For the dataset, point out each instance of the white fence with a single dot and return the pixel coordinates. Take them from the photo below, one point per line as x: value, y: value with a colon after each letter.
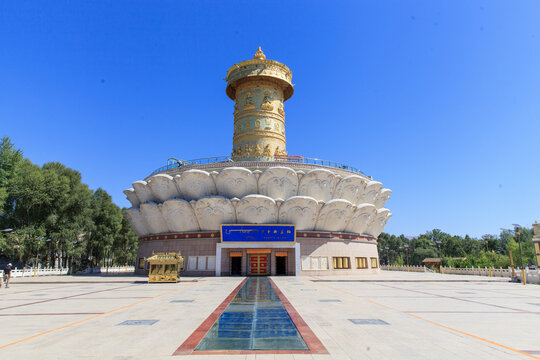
x: 411, y: 268
x: 30, y: 272
x: 533, y: 276
x: 109, y: 270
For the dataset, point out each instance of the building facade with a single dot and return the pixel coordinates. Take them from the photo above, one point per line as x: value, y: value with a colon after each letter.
x: 284, y: 214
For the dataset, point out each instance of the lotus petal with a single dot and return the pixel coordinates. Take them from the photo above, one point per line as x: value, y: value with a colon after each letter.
x: 236, y: 182
x: 335, y: 215
x: 379, y: 222
x: 382, y: 198
x: 163, y: 187
x: 361, y: 218
x: 179, y: 216
x: 278, y: 183
x: 132, y: 197
x: 195, y: 184
x: 301, y: 211
x: 214, y: 211
x: 155, y: 222
x: 318, y: 184
x: 370, y: 192
x: 256, y: 209
x: 143, y: 191
x: 350, y: 188
x: 136, y: 220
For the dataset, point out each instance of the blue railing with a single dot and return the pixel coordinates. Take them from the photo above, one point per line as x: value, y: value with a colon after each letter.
x: 175, y: 163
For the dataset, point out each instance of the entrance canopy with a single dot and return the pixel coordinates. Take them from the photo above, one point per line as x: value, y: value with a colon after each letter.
x: 252, y: 247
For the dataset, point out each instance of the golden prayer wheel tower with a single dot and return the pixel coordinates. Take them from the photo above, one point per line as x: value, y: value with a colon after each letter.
x: 259, y: 87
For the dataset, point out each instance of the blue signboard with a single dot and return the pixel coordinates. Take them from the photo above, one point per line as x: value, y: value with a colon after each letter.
x: 258, y: 233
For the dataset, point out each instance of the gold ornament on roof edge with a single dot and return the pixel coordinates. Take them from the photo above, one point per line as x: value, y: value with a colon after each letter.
x: 259, y: 55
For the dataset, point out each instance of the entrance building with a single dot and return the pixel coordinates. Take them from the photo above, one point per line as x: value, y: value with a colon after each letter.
x: 257, y: 250
x: 265, y: 261
x: 312, y: 253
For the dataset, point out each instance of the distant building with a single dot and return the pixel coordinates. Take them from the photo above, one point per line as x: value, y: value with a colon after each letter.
x: 260, y: 211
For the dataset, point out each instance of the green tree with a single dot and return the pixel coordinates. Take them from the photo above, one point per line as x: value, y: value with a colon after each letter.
x: 106, y: 225
x: 10, y: 160
x: 125, y: 243
x: 55, y: 217
x: 70, y: 216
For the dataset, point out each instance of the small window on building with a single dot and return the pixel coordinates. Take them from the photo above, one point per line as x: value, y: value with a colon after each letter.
x: 341, y: 262
x: 374, y: 263
x: 361, y: 263
x: 141, y: 263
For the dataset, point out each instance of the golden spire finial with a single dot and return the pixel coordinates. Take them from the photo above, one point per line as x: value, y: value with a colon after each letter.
x: 259, y: 54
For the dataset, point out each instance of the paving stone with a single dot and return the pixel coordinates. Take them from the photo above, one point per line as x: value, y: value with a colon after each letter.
x: 498, y: 312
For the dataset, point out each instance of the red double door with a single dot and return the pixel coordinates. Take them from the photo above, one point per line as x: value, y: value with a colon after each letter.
x: 258, y: 264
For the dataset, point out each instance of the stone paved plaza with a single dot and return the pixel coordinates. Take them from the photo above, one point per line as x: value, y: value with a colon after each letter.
x: 395, y: 315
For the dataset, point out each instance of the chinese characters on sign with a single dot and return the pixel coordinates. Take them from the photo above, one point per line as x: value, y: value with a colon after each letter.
x: 257, y: 233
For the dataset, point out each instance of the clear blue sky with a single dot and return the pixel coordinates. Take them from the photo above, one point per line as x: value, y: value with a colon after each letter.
x: 438, y: 100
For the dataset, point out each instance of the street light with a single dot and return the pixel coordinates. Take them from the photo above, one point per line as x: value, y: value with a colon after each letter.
x: 486, y: 237
x: 406, y: 246
x: 37, y: 254
x: 48, y: 241
x: 387, y: 257
x: 127, y: 251
x: 516, y: 231
x: 107, y: 256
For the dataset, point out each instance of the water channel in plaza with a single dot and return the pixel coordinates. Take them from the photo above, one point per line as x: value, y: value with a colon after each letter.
x: 254, y: 320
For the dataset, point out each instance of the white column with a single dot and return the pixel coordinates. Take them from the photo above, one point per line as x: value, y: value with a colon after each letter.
x: 218, y: 259
x: 297, y: 259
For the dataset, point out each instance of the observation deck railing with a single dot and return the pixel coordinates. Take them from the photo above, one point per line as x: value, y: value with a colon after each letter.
x: 299, y: 159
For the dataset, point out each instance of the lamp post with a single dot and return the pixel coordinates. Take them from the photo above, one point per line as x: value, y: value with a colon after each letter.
x: 387, y: 257
x: 37, y: 254
x: 516, y: 231
x: 486, y: 237
x: 406, y: 246
x: 107, y: 258
x: 48, y: 241
x: 128, y: 249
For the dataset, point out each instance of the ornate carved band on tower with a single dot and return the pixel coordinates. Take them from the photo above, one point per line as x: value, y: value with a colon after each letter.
x: 259, y: 88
